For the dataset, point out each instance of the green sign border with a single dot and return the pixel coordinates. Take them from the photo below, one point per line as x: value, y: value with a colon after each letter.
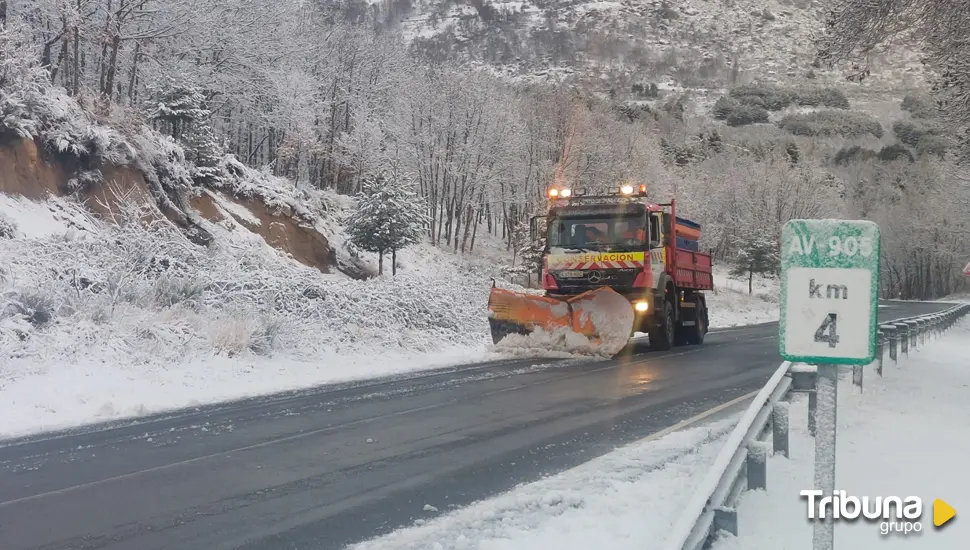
x: 822, y: 230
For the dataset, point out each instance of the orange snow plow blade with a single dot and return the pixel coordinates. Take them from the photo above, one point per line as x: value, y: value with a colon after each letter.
x: 602, y: 316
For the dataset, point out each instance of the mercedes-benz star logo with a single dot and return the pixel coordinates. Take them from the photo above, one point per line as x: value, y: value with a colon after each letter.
x: 594, y: 277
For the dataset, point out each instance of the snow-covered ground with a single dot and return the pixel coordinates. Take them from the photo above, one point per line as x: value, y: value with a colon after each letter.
x: 99, y: 323
x: 904, y: 434
x: 730, y: 305
x: 626, y: 499
x: 102, y: 323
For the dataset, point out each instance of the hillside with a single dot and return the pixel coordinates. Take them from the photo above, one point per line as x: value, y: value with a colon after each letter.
x: 617, y: 44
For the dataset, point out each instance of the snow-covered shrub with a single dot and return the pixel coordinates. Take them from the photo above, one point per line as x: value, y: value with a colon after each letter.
x: 230, y: 335
x: 724, y: 106
x: 920, y: 106
x: 824, y: 97
x: 276, y: 193
x: 8, y: 229
x: 775, y: 98
x: 768, y: 96
x: 853, y: 154
x: 264, y: 337
x: 171, y: 291
x: 34, y: 307
x: 932, y: 144
x: 14, y: 117
x: 847, y: 124
x: 747, y: 114
x: 895, y: 151
x: 85, y: 181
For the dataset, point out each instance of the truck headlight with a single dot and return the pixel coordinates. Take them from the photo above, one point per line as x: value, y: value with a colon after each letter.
x: 641, y: 306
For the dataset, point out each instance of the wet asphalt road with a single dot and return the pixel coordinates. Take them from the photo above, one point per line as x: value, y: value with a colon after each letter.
x: 322, y: 468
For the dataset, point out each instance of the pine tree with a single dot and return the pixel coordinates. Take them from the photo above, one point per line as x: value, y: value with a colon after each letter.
x: 177, y: 106
x: 183, y: 112
x: 389, y: 216
x: 758, y: 254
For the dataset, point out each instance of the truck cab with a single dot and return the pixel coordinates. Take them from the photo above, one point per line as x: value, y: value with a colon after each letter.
x: 639, y: 249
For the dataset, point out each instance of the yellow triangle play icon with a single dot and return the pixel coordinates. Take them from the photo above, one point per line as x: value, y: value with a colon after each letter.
x: 942, y: 512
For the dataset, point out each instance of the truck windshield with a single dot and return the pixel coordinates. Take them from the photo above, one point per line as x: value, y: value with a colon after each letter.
x: 597, y: 233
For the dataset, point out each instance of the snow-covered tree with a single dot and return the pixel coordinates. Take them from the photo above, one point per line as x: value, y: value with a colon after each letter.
x: 390, y: 216
x: 758, y: 253
x: 176, y: 106
x: 529, y: 251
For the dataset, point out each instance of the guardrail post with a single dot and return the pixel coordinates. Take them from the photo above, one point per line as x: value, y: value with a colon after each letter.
x: 912, y: 329
x: 779, y: 428
x: 812, y: 405
x: 893, y: 341
x: 903, y: 330
x: 880, y: 350
x: 922, y: 332
x: 757, y: 465
x: 726, y: 519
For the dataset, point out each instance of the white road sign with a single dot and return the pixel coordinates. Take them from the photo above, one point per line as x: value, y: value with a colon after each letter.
x: 829, y: 291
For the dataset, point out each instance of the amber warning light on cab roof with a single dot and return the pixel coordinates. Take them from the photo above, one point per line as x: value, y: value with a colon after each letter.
x: 565, y: 192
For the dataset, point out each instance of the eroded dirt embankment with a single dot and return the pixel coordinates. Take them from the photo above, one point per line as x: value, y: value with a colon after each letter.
x: 26, y: 169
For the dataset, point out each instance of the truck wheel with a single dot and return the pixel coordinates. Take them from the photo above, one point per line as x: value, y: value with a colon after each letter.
x: 695, y: 334
x: 662, y: 337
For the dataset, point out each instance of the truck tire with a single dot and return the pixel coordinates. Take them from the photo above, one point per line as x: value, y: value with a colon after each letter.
x: 662, y: 337
x: 695, y: 334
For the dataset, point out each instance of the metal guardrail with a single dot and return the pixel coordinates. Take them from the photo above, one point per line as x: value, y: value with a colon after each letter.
x: 742, y: 462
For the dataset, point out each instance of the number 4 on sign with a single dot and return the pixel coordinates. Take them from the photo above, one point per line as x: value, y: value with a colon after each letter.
x: 828, y: 330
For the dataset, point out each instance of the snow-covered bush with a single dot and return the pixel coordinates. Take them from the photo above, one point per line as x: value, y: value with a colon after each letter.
x: 775, y: 98
x: 747, y: 114
x: 277, y: 193
x: 847, y: 124
x: 8, y: 229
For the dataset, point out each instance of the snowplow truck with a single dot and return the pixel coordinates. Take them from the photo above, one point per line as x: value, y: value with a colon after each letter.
x: 613, y: 265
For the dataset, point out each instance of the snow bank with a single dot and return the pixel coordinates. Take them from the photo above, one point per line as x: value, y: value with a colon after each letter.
x: 731, y: 305
x: 561, y: 343
x: 614, y: 502
x: 36, y: 395
x: 905, y: 434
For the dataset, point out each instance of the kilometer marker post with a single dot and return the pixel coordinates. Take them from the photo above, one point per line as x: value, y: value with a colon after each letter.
x: 829, y: 317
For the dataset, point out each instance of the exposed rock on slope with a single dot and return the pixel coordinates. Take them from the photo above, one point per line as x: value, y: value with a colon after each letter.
x: 32, y: 172
x: 303, y: 243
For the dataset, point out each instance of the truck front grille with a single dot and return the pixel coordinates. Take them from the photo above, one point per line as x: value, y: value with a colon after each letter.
x: 620, y: 280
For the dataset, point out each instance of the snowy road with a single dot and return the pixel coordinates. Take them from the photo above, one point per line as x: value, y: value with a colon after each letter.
x: 325, y: 468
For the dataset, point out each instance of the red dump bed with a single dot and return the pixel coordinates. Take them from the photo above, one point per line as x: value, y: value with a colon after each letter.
x: 691, y: 268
